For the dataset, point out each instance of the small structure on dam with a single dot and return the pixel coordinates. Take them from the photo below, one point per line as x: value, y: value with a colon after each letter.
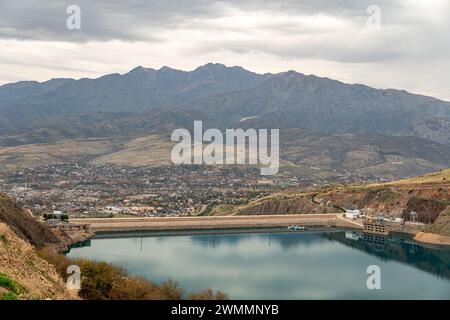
x: 375, y: 226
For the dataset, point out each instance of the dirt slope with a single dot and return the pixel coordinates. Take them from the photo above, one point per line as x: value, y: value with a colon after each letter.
x: 33, y: 277
x: 23, y: 274
x: 24, y: 225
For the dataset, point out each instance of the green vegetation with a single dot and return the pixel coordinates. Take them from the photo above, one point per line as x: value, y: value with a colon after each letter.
x: 63, y: 217
x: 13, y: 288
x: 105, y: 281
x: 218, y: 210
x: 8, y: 296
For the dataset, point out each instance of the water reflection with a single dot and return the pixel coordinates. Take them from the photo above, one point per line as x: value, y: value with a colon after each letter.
x: 401, y: 248
x: 330, y: 264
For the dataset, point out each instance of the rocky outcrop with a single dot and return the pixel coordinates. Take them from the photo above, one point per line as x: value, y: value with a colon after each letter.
x: 428, y: 210
x: 442, y: 224
x: 69, y: 235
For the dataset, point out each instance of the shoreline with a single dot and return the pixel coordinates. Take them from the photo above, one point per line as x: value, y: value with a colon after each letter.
x: 205, y: 224
x: 432, y: 238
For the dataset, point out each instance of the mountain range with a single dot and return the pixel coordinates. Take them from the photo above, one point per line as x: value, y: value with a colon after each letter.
x: 336, y: 125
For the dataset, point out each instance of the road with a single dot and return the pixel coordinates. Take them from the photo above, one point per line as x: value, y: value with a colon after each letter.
x: 341, y: 217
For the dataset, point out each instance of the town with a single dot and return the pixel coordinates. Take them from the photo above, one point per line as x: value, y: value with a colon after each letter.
x: 95, y: 191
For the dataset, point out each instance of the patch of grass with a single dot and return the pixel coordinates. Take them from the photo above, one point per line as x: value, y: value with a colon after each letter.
x: 8, y: 296
x: 12, y: 286
x: 221, y: 209
x: 8, y: 283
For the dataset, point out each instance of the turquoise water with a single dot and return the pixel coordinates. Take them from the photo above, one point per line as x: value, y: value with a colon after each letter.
x: 328, y: 264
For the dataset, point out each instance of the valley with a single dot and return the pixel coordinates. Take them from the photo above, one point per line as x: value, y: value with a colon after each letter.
x: 99, y: 148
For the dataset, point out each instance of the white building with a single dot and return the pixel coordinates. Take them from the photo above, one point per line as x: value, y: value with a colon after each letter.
x: 351, y: 236
x: 57, y: 213
x: 352, y: 214
x: 113, y: 209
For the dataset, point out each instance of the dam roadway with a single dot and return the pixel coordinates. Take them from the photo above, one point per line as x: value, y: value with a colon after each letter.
x: 100, y: 225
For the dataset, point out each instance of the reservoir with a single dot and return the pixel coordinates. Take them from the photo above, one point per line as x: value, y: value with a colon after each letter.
x: 276, y: 264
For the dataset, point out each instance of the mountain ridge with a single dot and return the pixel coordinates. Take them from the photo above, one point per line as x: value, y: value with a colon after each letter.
x: 146, y: 101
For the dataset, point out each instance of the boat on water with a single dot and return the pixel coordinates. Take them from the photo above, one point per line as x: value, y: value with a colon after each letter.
x: 297, y: 228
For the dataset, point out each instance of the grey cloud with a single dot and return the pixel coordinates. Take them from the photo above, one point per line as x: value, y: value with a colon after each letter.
x: 101, y: 20
x: 147, y: 20
x: 126, y: 20
x: 195, y: 28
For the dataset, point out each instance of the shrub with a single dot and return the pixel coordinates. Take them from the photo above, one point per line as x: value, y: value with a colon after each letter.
x: 104, y: 281
x: 98, y: 279
x: 8, y: 296
x: 208, y: 294
x: 171, y: 290
x: 60, y: 261
x: 132, y: 288
x: 222, y: 296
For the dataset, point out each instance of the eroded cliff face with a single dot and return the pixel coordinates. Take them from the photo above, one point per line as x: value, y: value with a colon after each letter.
x: 442, y: 224
x: 304, y: 204
x: 431, y: 201
x: 428, y: 201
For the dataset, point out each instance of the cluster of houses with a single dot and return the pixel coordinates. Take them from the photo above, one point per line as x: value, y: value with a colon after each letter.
x: 357, y: 214
x: 135, y: 210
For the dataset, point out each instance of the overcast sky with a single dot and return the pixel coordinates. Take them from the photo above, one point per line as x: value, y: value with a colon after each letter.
x: 410, y: 50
